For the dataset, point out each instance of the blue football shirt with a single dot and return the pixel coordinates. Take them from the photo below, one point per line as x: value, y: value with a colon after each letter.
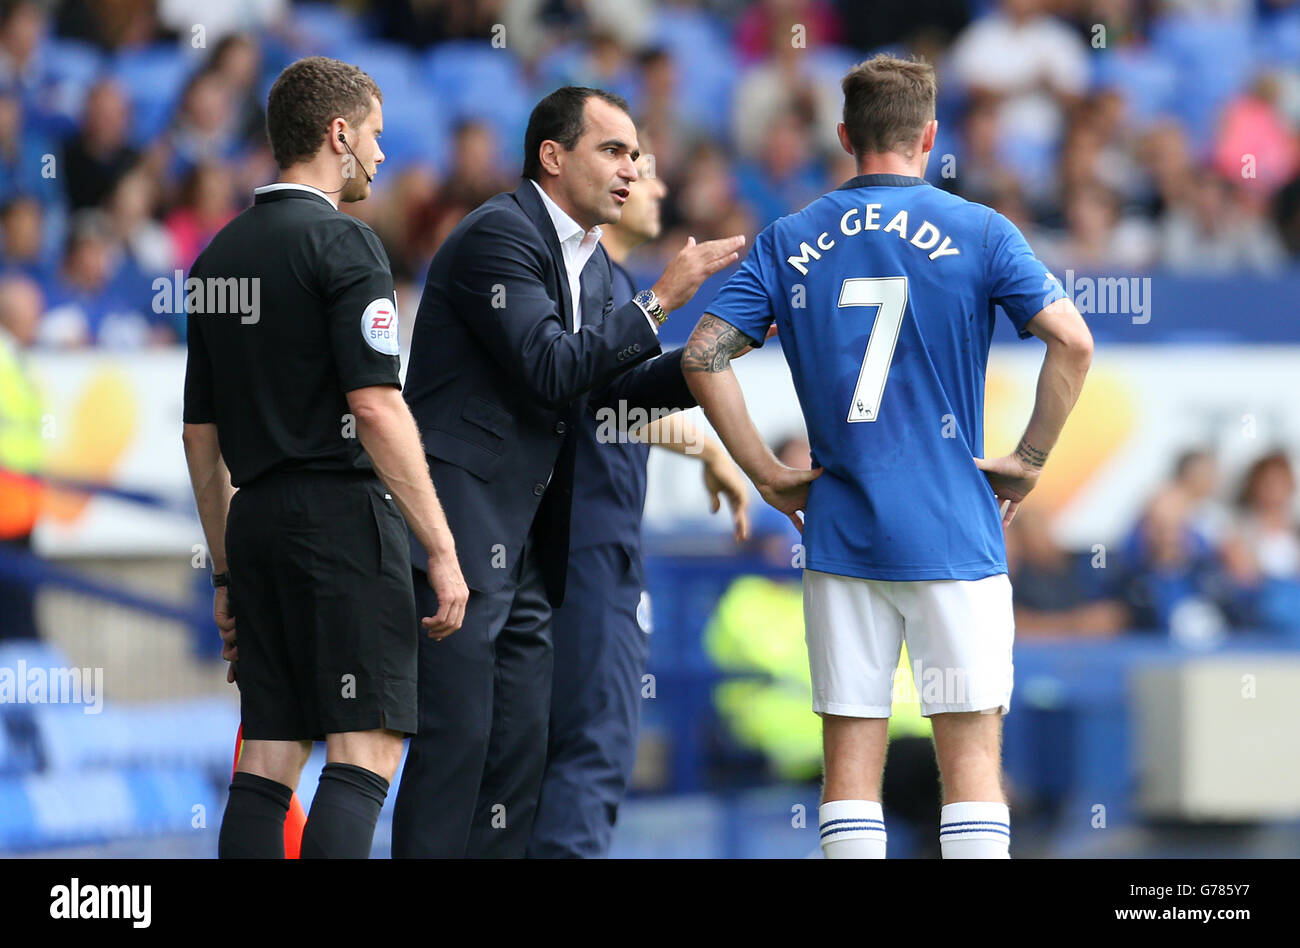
x: 884, y: 295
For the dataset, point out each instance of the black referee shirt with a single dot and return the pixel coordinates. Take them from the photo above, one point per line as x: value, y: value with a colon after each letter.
x: 289, y: 308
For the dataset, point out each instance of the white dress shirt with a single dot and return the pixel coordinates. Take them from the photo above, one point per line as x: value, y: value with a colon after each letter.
x: 577, y: 246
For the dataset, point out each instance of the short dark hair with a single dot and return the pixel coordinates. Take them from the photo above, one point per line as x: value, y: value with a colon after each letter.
x: 887, y: 102
x: 559, y: 118
x: 306, y: 97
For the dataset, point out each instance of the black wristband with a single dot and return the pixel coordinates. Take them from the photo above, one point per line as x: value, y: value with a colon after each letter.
x: 220, y: 579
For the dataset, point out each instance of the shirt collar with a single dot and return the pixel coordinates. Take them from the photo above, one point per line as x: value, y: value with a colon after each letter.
x: 566, y: 228
x: 881, y: 180
x: 291, y: 185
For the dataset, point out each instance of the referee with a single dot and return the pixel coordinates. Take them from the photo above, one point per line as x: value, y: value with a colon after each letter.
x: 292, y: 396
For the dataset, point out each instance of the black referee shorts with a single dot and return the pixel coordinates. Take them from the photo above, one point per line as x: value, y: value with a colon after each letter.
x: 320, y: 587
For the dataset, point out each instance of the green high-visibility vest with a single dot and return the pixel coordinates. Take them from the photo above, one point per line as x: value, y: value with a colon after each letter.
x: 757, y: 629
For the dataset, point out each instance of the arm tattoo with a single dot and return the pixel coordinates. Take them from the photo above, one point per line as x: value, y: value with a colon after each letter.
x: 1030, y: 454
x: 712, y: 345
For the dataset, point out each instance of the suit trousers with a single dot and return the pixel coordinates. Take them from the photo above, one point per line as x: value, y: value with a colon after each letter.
x: 602, y: 643
x: 473, y: 772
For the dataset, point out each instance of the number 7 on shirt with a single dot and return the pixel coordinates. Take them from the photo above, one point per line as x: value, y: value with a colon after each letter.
x: 889, y: 296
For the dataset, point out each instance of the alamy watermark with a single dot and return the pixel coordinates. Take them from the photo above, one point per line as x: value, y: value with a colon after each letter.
x: 623, y: 425
x: 209, y: 296
x: 1105, y: 296
x: 23, y: 684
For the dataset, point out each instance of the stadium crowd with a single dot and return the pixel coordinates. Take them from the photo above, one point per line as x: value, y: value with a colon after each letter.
x: 1120, y: 135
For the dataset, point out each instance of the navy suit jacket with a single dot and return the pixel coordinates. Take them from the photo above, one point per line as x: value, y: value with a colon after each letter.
x: 498, y: 382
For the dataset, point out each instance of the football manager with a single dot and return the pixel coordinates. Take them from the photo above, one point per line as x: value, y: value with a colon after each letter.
x: 516, y: 332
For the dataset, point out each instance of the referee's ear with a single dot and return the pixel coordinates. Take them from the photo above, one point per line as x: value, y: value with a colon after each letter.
x: 337, y: 135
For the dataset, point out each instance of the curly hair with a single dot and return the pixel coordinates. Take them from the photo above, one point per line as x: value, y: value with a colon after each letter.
x: 306, y: 97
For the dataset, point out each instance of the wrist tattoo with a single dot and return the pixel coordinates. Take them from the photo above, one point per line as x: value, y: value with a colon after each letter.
x: 712, y: 345
x: 1030, y: 454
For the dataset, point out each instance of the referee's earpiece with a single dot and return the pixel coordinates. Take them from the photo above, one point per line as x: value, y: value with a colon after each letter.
x: 344, y: 140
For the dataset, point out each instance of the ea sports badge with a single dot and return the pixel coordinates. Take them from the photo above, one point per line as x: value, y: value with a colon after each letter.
x: 379, y: 326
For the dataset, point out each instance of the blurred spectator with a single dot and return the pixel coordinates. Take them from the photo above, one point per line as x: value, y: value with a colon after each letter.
x: 1264, y: 543
x: 409, y: 203
x: 21, y: 446
x: 868, y: 26
x: 475, y: 175
x: 1286, y: 215
x: 111, y: 24
x: 1166, y: 159
x: 704, y: 204
x: 1059, y: 593
x: 1196, y: 477
x: 1254, y: 144
x: 421, y: 23
x: 1034, y: 68
x: 1097, y: 238
x: 21, y: 24
x: 98, y: 155
x: 85, y: 306
x: 21, y: 238
x: 237, y: 62
x: 1097, y: 148
x: 144, y: 244
x: 980, y: 171
x: 206, y: 205
x: 221, y: 19
x: 1211, y: 231
x: 603, y: 62
x: 1175, y: 584
x: 768, y: 23
x: 23, y: 150
x: 784, y: 178
x: 786, y: 82
x: 204, y: 128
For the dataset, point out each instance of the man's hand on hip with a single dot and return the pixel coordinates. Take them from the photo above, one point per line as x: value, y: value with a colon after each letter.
x: 1012, y: 478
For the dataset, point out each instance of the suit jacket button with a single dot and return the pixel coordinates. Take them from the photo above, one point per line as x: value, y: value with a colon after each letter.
x: 561, y: 427
x: 539, y: 490
x: 636, y: 348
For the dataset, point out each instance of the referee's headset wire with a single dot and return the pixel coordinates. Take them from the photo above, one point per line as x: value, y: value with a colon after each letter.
x: 369, y: 180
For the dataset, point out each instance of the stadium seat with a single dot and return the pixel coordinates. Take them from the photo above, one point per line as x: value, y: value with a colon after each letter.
x: 325, y: 27
x: 1147, y: 80
x: 1215, y: 60
x: 153, y: 79
x: 473, y: 80
x: 701, y: 48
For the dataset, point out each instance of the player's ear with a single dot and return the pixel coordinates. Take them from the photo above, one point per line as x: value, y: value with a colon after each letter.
x: 928, y: 137
x: 843, y: 131
x: 337, y: 134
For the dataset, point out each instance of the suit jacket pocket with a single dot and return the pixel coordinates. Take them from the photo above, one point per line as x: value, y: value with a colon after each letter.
x: 491, y: 418
x: 470, y: 455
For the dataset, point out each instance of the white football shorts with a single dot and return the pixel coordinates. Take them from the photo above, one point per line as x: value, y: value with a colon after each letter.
x: 958, y: 633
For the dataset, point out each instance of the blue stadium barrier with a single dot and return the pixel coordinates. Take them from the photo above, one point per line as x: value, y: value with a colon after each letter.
x: 41, y: 811
x: 198, y: 732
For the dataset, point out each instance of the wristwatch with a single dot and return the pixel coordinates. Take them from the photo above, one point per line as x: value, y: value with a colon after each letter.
x: 220, y: 579
x: 647, y: 300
